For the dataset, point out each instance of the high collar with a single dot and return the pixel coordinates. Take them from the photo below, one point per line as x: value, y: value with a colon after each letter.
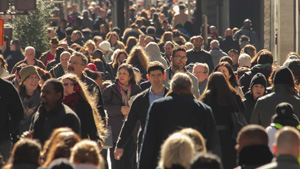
x: 255, y: 155
x: 282, y: 88
x: 286, y: 158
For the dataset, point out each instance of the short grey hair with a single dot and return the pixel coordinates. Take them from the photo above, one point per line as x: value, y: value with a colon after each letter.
x: 215, y: 44
x: 204, y: 65
x: 84, y: 60
x: 169, y: 43
x: 30, y: 47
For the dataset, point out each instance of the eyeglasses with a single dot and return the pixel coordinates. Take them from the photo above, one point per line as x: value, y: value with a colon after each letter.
x: 73, y: 63
x: 199, y: 72
x: 68, y: 84
x: 181, y: 58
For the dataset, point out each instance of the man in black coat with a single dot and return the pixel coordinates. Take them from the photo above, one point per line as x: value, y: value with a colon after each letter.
x: 197, y: 54
x: 52, y: 113
x: 10, y: 116
x: 176, y: 111
x: 139, y: 108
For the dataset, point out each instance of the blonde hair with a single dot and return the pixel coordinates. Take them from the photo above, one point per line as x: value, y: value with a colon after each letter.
x: 177, y: 149
x: 197, y: 138
x: 87, y: 152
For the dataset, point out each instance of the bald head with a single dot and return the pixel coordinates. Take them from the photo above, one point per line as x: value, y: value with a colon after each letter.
x: 287, y: 141
x: 215, y: 44
x: 228, y: 32
x: 251, y: 135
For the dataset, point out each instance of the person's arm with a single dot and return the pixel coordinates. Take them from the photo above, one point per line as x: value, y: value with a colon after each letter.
x: 213, y: 140
x: 89, y: 122
x: 100, y: 106
x: 16, y: 111
x: 71, y: 120
x: 129, y: 124
x: 210, y: 63
x: 112, y: 109
x: 151, y: 141
x: 255, y: 114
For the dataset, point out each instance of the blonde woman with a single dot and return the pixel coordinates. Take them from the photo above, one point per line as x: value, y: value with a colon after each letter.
x: 86, y: 155
x: 176, y: 152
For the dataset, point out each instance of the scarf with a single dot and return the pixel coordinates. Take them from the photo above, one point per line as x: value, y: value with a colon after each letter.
x: 123, y: 89
x: 32, y: 102
x: 71, y: 100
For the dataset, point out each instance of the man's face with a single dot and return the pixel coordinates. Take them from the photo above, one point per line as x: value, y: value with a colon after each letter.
x: 198, y: 42
x: 103, y: 14
x: 179, y: 60
x: 156, y: 78
x: 75, y: 65
x: 64, y: 58
x: 168, y: 50
x: 50, y: 33
x: 30, y: 54
x: 200, y: 73
x: 53, y: 48
x: 233, y: 56
x: 49, y: 96
x: 228, y: 32
x: 74, y: 37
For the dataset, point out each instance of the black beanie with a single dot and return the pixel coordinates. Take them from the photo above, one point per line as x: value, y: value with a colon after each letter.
x: 285, y: 115
x: 258, y: 78
x: 283, y: 76
x: 265, y: 58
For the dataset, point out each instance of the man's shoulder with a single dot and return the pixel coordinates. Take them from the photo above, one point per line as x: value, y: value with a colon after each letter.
x: 193, y: 77
x: 6, y: 85
x: 88, y: 80
x: 271, y: 165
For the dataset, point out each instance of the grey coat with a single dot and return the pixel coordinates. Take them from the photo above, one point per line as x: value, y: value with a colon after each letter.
x: 112, y: 100
x: 265, y: 106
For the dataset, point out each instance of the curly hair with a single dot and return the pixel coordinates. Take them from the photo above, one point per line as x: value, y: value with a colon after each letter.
x: 138, y: 58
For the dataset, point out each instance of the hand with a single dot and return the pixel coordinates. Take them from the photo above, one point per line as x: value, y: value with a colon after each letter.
x: 125, y: 110
x: 27, y: 134
x: 118, y: 153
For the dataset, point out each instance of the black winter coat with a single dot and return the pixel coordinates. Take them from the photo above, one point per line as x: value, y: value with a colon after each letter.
x: 45, y: 122
x: 11, y: 111
x: 138, y: 112
x: 170, y: 114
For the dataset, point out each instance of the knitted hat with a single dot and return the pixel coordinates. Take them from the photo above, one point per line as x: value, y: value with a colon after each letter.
x: 105, y: 46
x: 283, y: 76
x: 92, y: 66
x: 285, y: 115
x: 244, y: 60
x: 26, y: 71
x: 258, y: 78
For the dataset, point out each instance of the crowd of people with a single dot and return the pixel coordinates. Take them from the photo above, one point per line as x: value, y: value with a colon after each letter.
x: 151, y: 96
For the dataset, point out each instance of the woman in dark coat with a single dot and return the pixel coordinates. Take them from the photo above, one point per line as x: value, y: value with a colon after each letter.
x: 77, y: 98
x: 257, y: 89
x: 116, y: 101
x: 224, y: 100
